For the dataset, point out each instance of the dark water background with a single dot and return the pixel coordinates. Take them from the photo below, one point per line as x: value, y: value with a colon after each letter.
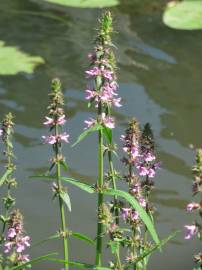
x: 160, y: 82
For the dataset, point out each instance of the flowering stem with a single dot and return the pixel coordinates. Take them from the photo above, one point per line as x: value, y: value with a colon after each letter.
x: 61, y: 203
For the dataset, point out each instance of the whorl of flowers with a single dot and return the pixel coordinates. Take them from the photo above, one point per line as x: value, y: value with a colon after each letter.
x: 56, y: 116
x: 196, y: 228
x: 146, y: 163
x: 131, y: 147
x: 16, y: 240
x: 6, y: 133
x: 102, y: 92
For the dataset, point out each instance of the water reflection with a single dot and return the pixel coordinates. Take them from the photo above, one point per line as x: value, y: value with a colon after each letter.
x: 159, y: 82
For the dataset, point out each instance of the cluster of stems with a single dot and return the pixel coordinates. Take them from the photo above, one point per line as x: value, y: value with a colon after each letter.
x: 196, y: 227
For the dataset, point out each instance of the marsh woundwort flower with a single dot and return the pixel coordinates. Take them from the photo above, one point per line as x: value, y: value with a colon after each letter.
x: 16, y: 240
x: 190, y: 231
x: 103, y: 93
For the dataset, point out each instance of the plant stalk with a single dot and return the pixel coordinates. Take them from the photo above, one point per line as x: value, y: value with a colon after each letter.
x: 61, y: 205
x: 100, y: 199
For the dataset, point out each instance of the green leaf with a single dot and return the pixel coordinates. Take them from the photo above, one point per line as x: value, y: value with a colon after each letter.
x: 83, y: 238
x: 85, y: 3
x: 108, y: 134
x: 64, y: 165
x: 13, y: 61
x: 38, y: 259
x: 51, y: 237
x: 42, y: 177
x: 66, y: 199
x: 79, y: 184
x: 4, y: 177
x: 185, y: 15
x: 88, y: 131
x: 143, y: 215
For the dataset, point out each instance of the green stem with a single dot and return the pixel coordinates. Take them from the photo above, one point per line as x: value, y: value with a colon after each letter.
x: 118, y: 261
x: 111, y: 168
x: 61, y: 205
x: 100, y: 200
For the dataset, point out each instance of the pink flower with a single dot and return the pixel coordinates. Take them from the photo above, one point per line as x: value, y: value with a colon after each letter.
x: 63, y: 137
x: 193, y: 206
x: 11, y: 233
x: 134, y: 151
x: 49, y: 121
x: 108, y: 121
x: 1, y: 132
x: 190, y: 231
x: 136, y: 188
x: 90, y: 94
x: 116, y: 102
x: 61, y: 120
x: 134, y: 216
x: 90, y: 123
x: 148, y: 157
x: 142, y: 202
x: 143, y: 171
x: 23, y: 258
x: 8, y: 246
x: 51, y: 139
x: 22, y: 243
x: 125, y: 213
x: 151, y: 173
x: 95, y: 71
x: 107, y: 74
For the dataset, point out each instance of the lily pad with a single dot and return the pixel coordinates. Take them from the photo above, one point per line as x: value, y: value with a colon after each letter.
x: 85, y: 3
x: 12, y: 60
x: 185, y: 15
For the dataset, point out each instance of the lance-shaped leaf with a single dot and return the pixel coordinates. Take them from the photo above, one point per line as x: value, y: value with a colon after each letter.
x: 78, y: 184
x: 66, y: 199
x: 86, y: 132
x: 36, y: 260
x: 83, y: 237
x: 134, y: 203
x: 77, y: 235
x: 108, y: 134
x: 5, y: 175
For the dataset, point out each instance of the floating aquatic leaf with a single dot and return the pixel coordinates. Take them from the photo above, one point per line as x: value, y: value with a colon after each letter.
x: 185, y: 15
x: 12, y: 60
x: 85, y: 3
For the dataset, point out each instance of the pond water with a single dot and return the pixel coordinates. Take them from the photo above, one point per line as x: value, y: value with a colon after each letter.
x: 160, y: 83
